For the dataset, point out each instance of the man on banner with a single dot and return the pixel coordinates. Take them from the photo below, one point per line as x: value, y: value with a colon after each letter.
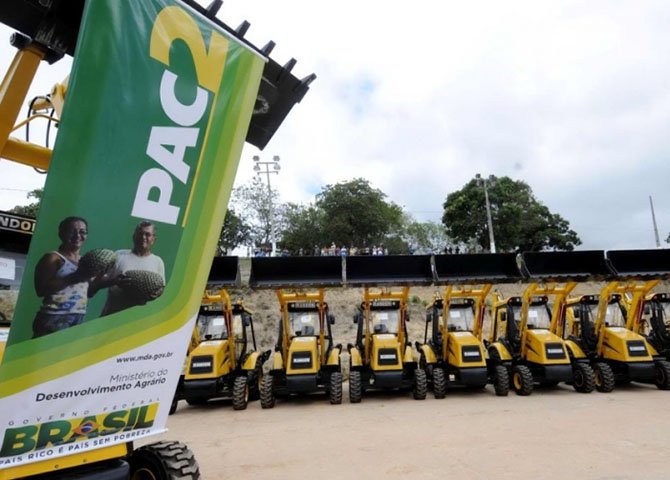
x: 124, y: 292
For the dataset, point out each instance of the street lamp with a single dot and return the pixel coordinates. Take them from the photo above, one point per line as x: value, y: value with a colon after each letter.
x: 483, y: 181
x: 267, y: 171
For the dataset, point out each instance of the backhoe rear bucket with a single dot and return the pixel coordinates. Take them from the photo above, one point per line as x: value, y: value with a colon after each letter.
x: 225, y: 272
x: 299, y: 272
x: 588, y: 265
x: 640, y: 263
x: 388, y: 270
x: 476, y: 268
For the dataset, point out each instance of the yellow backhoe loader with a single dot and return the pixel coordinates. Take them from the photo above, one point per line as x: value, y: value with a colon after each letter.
x: 453, y: 352
x: 606, y: 327
x: 306, y: 359
x: 523, y: 327
x: 225, y: 362
x: 383, y: 357
x: 126, y: 82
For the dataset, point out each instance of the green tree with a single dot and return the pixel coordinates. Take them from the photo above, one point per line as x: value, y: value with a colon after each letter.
x: 302, y: 228
x: 31, y: 209
x: 233, y: 234
x: 520, y: 221
x: 259, y: 208
x: 355, y: 213
x: 425, y: 236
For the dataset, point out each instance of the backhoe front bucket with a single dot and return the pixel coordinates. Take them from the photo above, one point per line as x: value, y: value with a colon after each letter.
x: 372, y: 271
x: 588, y: 265
x: 640, y: 263
x: 298, y: 272
x: 476, y: 268
x: 225, y: 272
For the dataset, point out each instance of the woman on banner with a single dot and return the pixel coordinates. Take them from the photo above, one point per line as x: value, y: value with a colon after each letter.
x: 63, y: 288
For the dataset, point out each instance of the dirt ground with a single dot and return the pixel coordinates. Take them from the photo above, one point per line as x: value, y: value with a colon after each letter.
x: 552, y: 434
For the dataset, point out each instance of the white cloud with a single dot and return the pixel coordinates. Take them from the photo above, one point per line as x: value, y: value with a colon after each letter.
x: 571, y: 97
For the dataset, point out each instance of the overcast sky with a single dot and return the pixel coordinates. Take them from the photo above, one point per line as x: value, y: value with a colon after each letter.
x: 572, y: 97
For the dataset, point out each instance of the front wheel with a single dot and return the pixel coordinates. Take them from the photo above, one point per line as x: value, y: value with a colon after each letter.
x: 240, y: 393
x: 663, y: 375
x: 335, y: 388
x: 583, y: 378
x: 522, y: 380
x: 355, y: 386
x: 420, y: 384
x: 267, y: 392
x: 163, y: 461
x: 501, y: 381
x: 439, y: 382
x: 604, y: 377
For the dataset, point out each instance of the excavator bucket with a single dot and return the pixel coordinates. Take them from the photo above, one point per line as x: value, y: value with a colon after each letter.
x: 640, y: 263
x: 225, y: 272
x: 588, y: 265
x: 296, y: 272
x: 372, y: 271
x: 476, y: 268
x: 55, y: 25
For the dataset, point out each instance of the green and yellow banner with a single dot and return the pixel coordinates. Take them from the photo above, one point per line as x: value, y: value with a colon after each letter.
x: 156, y: 113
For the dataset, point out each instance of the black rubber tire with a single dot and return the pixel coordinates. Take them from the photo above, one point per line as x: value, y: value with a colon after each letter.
x: 604, y: 377
x: 173, y: 405
x: 355, y: 386
x: 501, y: 381
x: 196, y: 401
x: 439, y: 382
x: 522, y: 380
x: 420, y: 384
x: 335, y: 388
x: 583, y: 378
x: 240, y: 393
x: 255, y: 382
x: 163, y: 461
x: 662, y: 375
x: 267, y: 392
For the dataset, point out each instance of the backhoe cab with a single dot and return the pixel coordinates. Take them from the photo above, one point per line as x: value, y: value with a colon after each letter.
x: 607, y: 328
x: 306, y: 359
x: 224, y: 363
x: 453, y: 353
x: 382, y: 357
x: 525, y: 330
x: 655, y: 324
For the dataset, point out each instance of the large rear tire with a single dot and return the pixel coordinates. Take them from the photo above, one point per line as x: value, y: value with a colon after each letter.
x: 163, y: 461
x: 439, y: 382
x: 604, y: 377
x: 501, y: 381
x: 522, y: 380
x: 355, y: 386
x: 663, y: 375
x: 335, y: 389
x: 267, y: 392
x: 240, y: 393
x: 420, y: 384
x: 583, y: 378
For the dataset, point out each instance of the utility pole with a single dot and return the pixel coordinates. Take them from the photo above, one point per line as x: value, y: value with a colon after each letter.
x: 653, y: 219
x: 266, y: 170
x: 492, y: 242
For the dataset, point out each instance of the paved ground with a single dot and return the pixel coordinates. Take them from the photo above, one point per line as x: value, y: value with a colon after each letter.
x: 553, y: 434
